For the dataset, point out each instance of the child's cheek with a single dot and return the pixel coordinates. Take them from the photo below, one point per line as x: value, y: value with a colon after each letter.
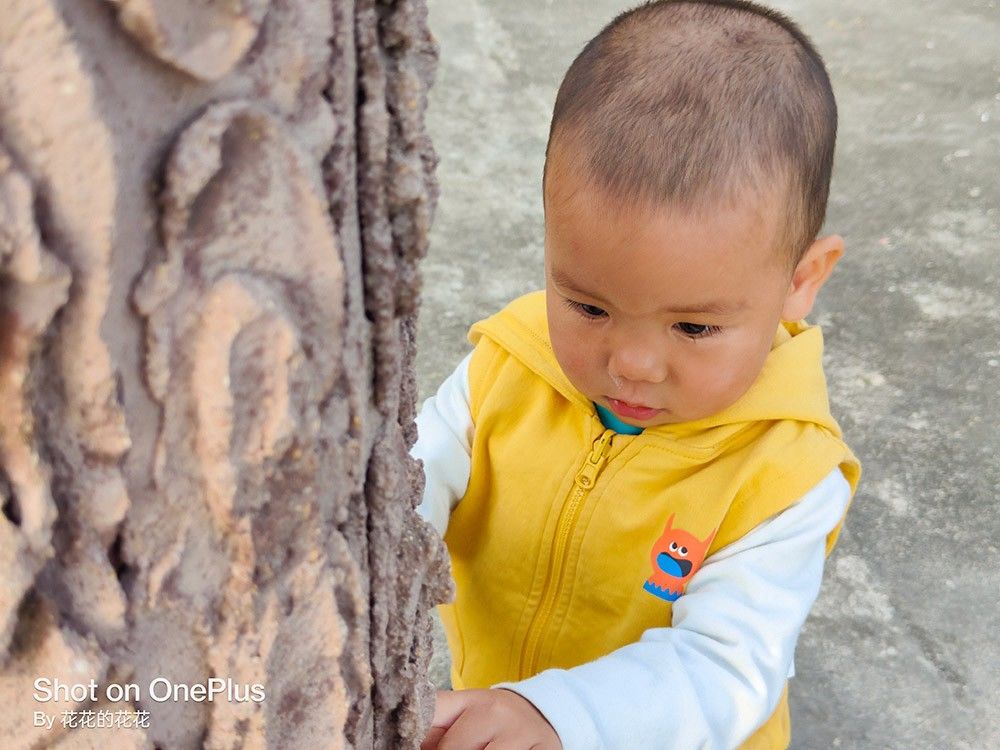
x: 585, y: 371
x: 576, y: 359
x: 728, y: 377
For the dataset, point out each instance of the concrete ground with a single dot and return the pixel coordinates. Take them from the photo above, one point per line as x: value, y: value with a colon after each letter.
x: 901, y: 649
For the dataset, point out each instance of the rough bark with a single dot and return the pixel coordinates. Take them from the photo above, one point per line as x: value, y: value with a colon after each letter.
x: 211, y: 217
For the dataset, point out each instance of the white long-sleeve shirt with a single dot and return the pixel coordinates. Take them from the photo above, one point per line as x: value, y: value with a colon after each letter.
x: 713, y: 678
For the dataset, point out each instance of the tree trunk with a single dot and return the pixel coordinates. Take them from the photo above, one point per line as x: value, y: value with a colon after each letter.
x: 211, y: 215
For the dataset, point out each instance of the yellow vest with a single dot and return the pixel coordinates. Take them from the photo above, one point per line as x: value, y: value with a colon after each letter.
x: 554, y: 545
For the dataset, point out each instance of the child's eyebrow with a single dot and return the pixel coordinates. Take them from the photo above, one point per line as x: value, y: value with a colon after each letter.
x: 714, y: 307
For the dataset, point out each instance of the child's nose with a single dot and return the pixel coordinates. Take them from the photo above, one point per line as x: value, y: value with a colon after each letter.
x: 638, y: 361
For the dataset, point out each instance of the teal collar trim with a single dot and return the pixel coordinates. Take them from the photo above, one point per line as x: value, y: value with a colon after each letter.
x: 609, y: 420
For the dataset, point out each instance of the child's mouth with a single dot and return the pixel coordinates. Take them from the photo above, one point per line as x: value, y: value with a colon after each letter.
x: 633, y: 411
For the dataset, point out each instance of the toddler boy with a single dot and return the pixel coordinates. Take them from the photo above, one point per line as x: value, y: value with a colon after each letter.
x: 635, y: 470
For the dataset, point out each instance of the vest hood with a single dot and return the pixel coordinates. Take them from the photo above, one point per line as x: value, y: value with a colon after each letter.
x: 791, y: 385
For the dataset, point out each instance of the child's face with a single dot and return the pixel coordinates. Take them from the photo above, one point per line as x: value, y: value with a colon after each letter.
x: 660, y: 309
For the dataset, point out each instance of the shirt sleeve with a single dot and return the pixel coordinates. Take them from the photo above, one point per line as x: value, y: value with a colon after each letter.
x: 714, y: 677
x: 444, y: 444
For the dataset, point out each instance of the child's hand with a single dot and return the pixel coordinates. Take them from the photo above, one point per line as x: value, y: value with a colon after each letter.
x: 498, y: 718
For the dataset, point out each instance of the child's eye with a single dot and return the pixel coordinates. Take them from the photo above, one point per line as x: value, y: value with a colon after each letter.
x: 588, y: 311
x: 697, y: 330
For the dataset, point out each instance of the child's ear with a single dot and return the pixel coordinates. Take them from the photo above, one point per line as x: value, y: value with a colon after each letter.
x: 810, y: 274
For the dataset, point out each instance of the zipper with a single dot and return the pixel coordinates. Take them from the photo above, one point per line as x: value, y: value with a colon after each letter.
x: 583, y: 483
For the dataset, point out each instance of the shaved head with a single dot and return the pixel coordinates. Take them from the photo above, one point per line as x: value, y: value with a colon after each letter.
x: 698, y: 104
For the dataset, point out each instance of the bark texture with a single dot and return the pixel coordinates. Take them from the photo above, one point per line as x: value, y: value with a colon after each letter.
x: 211, y: 217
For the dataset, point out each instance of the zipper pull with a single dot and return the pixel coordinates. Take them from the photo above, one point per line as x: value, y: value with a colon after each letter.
x: 587, y: 475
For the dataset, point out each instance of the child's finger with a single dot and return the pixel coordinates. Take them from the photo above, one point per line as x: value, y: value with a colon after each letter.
x: 433, y: 738
x: 467, y: 732
x: 448, y: 704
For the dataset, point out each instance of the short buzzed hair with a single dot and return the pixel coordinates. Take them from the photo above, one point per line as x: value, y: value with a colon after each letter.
x: 697, y: 103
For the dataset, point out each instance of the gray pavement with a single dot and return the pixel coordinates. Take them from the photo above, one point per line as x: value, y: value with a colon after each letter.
x: 901, y: 649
